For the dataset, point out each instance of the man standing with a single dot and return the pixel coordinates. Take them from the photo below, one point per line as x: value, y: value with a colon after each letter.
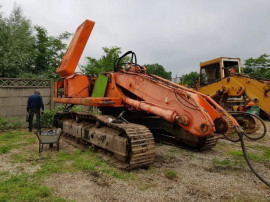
x: 34, y: 104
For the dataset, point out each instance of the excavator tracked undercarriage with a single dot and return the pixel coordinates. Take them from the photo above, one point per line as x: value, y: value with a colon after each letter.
x: 130, y: 143
x: 137, y: 108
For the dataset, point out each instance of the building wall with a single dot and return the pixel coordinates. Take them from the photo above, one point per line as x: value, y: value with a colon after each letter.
x: 14, y: 94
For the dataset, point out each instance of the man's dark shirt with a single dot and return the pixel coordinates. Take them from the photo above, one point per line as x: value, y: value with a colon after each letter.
x: 35, y: 102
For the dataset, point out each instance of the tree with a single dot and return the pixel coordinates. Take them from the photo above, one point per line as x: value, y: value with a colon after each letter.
x: 48, y: 52
x: 190, y: 79
x: 258, y: 67
x: 261, y: 62
x: 105, y: 63
x: 25, y: 53
x: 158, y: 70
x: 16, y: 42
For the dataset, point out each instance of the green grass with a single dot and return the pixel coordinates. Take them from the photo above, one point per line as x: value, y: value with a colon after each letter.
x: 223, y: 163
x: 152, y: 169
x: 90, y: 162
x: 237, y: 159
x: 14, y: 140
x: 23, y: 186
x: 4, y: 175
x: 264, y: 157
x: 20, y: 187
x: 29, y: 187
x: 266, y: 154
x: 4, y: 149
x: 64, y: 162
x: 18, y: 158
x: 258, y: 147
x: 170, y: 174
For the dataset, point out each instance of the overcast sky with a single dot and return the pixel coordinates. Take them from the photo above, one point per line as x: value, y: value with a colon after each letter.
x: 176, y: 34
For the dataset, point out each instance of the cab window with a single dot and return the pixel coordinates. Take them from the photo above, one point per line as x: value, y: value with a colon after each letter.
x: 210, y: 74
x: 227, y: 65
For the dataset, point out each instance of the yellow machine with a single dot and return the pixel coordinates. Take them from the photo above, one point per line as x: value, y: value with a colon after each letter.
x: 223, y: 80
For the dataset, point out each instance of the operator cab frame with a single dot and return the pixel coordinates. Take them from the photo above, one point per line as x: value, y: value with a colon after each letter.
x: 216, y: 69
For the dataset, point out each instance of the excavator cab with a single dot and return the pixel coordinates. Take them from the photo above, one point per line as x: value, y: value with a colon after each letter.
x: 213, y: 70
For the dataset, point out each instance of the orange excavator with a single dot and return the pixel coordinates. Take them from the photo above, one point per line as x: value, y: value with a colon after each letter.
x: 137, y: 108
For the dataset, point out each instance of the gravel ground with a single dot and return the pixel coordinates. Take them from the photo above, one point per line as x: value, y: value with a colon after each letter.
x: 195, y: 177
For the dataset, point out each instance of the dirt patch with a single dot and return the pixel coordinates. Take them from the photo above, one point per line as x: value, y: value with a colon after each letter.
x: 197, y: 179
x: 31, y: 157
x: 14, y: 168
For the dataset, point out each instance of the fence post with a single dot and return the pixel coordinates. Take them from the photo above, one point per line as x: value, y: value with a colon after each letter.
x: 52, y: 94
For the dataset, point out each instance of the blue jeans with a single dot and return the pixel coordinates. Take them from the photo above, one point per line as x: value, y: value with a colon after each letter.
x: 33, y: 112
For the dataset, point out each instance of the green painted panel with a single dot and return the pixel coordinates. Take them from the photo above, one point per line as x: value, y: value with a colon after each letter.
x: 100, y: 86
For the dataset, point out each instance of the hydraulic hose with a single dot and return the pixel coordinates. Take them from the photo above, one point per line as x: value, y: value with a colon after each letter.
x: 235, y: 114
x: 241, y: 133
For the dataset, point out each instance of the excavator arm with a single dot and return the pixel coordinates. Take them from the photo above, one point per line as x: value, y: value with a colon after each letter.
x: 172, y: 102
x: 240, y: 85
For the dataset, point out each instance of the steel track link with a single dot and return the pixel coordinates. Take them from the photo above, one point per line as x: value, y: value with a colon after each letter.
x: 142, y: 146
x: 141, y: 142
x: 209, y: 142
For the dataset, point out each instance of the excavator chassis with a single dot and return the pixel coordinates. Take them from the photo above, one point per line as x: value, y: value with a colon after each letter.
x: 132, y: 144
x: 167, y: 132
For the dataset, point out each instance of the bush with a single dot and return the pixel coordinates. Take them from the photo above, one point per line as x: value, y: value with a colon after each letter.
x: 47, y: 118
x: 9, y: 123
